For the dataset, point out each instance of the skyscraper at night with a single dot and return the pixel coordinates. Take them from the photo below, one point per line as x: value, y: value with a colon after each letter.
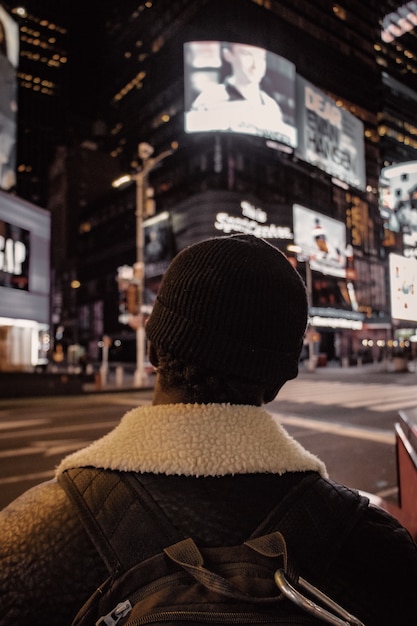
x: 344, y: 79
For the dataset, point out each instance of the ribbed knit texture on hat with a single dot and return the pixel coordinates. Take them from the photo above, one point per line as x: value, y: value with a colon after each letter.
x: 235, y: 305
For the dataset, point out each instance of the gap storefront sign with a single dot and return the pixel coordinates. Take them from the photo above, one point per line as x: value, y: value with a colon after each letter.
x: 14, y: 256
x: 24, y: 284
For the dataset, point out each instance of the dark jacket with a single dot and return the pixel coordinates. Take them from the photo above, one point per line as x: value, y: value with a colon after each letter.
x: 48, y: 566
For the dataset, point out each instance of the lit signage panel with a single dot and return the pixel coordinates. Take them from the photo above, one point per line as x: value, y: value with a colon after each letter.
x: 398, y: 200
x: 252, y: 221
x: 399, y: 22
x: 158, y: 251
x: 234, y: 87
x: 403, y: 281
x: 9, y: 53
x: 14, y: 256
x: 321, y: 240
x: 24, y: 259
x: 329, y: 137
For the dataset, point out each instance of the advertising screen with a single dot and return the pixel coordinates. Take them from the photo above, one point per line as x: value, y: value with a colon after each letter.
x: 403, y: 277
x: 158, y: 250
x: 9, y: 53
x: 398, y: 200
x: 329, y: 137
x: 396, y: 23
x: 321, y: 240
x: 234, y: 87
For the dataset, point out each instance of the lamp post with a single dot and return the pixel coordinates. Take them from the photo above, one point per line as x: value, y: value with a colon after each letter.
x: 145, y: 152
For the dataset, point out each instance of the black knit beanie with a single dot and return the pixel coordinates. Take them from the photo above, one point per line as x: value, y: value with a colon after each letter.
x: 235, y: 305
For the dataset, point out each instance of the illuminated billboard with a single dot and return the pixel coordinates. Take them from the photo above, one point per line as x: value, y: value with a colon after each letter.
x: 24, y: 260
x: 399, y: 22
x: 398, y: 200
x: 321, y: 240
x: 403, y: 281
x: 329, y: 137
x: 9, y: 55
x: 234, y: 87
x: 158, y: 245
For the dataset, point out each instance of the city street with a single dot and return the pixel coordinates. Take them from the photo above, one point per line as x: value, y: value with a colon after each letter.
x: 345, y: 416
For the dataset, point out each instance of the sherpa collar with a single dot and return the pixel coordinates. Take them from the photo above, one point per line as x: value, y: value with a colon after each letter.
x: 197, y: 440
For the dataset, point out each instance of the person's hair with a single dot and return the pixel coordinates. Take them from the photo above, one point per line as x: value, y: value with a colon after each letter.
x: 201, y: 385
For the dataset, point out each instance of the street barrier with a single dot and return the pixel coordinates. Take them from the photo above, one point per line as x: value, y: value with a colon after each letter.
x: 406, y: 446
x: 406, y: 451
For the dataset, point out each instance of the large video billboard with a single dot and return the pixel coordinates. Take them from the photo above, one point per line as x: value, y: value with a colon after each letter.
x: 398, y: 200
x: 329, y: 137
x: 235, y: 87
x: 321, y: 239
x: 403, y: 281
x: 9, y: 55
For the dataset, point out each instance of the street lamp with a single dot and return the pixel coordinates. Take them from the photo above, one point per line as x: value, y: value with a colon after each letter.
x: 145, y: 152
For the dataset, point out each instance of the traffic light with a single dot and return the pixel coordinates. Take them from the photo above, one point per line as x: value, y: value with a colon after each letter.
x: 132, y: 299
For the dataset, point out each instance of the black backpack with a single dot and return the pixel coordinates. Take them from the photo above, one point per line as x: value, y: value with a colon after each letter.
x: 158, y: 576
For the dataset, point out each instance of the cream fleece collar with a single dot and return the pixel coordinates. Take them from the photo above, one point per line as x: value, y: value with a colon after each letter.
x: 197, y: 440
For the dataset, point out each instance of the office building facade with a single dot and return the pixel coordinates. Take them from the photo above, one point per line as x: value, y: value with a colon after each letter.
x: 334, y: 77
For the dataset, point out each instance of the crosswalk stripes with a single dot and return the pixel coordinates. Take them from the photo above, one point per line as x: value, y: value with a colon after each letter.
x: 345, y: 430
x: 353, y: 395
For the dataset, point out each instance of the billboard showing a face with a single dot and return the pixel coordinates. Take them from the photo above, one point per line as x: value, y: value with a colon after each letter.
x: 234, y: 87
x: 403, y: 281
x: 321, y: 239
x: 329, y: 137
x: 9, y: 50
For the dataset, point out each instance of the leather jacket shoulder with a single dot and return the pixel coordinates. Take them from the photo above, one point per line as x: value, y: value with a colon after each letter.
x: 48, y: 565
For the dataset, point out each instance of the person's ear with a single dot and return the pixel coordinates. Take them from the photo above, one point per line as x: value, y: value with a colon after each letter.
x: 271, y: 392
x: 153, y: 357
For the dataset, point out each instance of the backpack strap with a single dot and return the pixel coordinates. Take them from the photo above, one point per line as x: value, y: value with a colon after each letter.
x: 328, y: 510
x: 110, y: 503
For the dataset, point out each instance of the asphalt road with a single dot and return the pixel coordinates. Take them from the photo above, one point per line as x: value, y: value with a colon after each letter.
x: 345, y: 416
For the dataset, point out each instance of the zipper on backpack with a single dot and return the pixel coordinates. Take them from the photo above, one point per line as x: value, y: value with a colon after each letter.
x: 216, y: 618
x: 112, y: 618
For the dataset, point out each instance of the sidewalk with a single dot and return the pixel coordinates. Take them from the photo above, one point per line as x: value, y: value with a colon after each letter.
x: 116, y: 380
x: 378, y: 372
